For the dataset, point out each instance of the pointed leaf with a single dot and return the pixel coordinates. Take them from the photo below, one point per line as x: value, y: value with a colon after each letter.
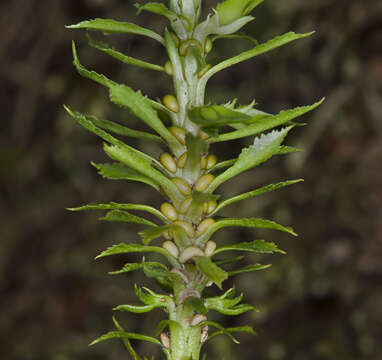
x: 108, y: 26
x: 159, y: 9
x: 247, y: 329
x: 249, y: 222
x: 124, y: 216
x: 222, y: 330
x: 140, y: 106
x: 249, y: 268
x: 266, y: 123
x: 207, y: 267
x: 131, y: 248
x: 122, y: 334
x: 119, y: 171
x: 107, y: 49
x: 117, y: 206
x: 283, y: 150
x: 230, y: 10
x: 197, y: 304
x: 262, y: 149
x: 258, y: 246
x: 148, y: 235
x: 228, y: 261
x: 137, y: 309
x: 120, y: 129
x: 137, y: 266
x: 257, y: 50
x: 216, y: 116
x: 128, y: 157
x: 164, y: 324
x: 259, y: 191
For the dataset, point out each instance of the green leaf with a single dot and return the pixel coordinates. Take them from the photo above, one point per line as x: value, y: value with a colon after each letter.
x: 196, y: 146
x: 128, y: 157
x: 120, y: 129
x: 211, y: 116
x: 283, y: 150
x: 164, y: 324
x: 148, y: 235
x: 257, y: 50
x: 250, y: 222
x: 227, y: 305
x: 92, y: 75
x: 140, y: 106
x: 108, y: 26
x: 207, y: 267
x: 247, y: 329
x: 258, y: 246
x: 124, y: 216
x: 159, y: 9
x: 266, y: 123
x: 222, y: 330
x: 137, y: 266
x: 137, y: 309
x: 107, y: 49
x: 149, y: 297
x: 119, y: 171
x: 117, y: 206
x: 122, y: 334
x: 132, y: 248
x: 197, y: 304
x: 231, y: 10
x: 259, y: 191
x: 126, y: 341
x: 262, y: 149
x: 249, y: 268
x: 228, y: 261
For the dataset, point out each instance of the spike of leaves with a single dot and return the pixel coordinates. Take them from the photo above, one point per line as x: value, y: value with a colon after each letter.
x: 107, y: 49
x: 258, y: 246
x: 108, y: 26
x: 259, y: 191
x: 262, y: 149
x: 267, y: 123
x: 122, y: 334
x: 211, y: 270
x: 119, y: 171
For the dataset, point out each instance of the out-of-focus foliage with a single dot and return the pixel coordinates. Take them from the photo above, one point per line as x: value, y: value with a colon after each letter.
x: 322, y: 301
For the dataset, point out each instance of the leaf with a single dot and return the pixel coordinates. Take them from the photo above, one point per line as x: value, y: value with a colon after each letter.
x: 140, y: 106
x: 120, y: 129
x: 249, y: 268
x: 130, y: 159
x: 137, y: 309
x: 137, y: 266
x: 222, y: 330
x: 216, y: 115
x: 249, y: 222
x: 266, y: 123
x: 228, y: 261
x: 119, y: 171
x: 230, y: 10
x: 197, y: 304
x: 92, y: 75
x: 148, y: 235
x: 258, y: 246
x: 108, y: 26
x: 159, y: 9
x: 259, y: 191
x: 247, y: 329
x: 107, y: 49
x: 207, y: 267
x: 126, y: 341
x: 124, y: 216
x: 196, y: 146
x: 117, y: 206
x: 262, y: 149
x: 163, y: 324
x: 288, y: 149
x: 257, y: 50
x: 227, y: 305
x: 131, y: 248
x: 122, y: 334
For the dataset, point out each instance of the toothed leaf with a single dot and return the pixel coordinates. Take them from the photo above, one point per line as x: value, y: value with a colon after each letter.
x: 108, y: 26
x: 124, y: 216
x: 259, y: 246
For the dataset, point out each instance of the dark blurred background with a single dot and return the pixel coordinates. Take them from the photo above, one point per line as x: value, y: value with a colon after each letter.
x: 323, y: 300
